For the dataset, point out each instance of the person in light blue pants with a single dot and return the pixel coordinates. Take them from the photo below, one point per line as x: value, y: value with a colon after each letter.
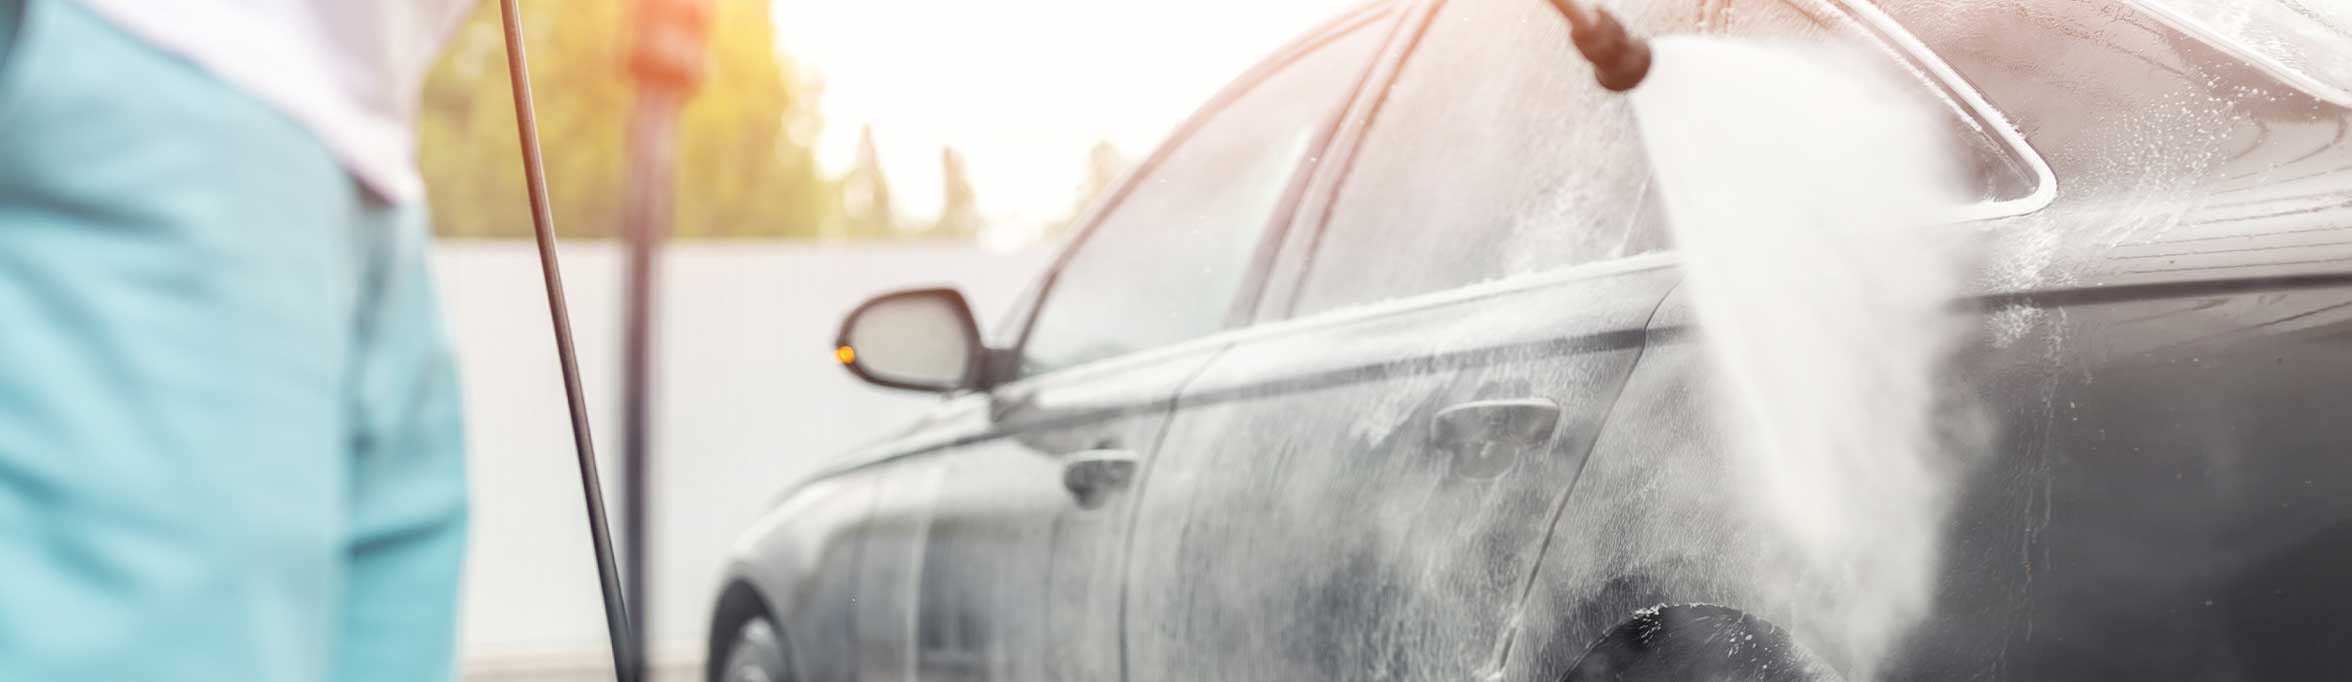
x: 230, y: 443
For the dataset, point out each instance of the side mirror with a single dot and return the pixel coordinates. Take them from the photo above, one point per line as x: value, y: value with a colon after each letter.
x: 921, y: 340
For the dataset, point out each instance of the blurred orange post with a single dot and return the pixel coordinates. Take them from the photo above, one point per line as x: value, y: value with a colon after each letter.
x: 666, y: 63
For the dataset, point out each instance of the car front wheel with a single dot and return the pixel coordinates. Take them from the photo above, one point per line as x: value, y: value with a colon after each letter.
x: 757, y: 655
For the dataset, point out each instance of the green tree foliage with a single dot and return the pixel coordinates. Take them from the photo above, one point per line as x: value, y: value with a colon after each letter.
x: 745, y: 166
x: 959, y: 211
x: 1105, y: 166
x: 866, y: 208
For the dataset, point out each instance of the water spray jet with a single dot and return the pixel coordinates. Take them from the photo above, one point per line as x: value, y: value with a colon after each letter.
x: 1802, y: 188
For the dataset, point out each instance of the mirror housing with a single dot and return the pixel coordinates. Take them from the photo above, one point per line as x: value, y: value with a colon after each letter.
x: 917, y: 340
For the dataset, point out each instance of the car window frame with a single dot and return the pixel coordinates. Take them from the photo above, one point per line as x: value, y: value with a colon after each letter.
x: 1371, y: 16
x: 1279, y: 299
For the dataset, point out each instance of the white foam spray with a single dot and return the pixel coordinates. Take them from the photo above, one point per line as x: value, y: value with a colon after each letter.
x: 1801, y: 189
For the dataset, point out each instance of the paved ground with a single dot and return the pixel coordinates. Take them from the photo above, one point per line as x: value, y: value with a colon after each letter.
x: 573, y: 666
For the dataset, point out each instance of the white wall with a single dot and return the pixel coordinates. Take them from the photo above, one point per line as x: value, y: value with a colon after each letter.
x: 749, y: 400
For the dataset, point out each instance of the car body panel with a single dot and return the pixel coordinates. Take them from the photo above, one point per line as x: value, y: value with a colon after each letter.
x: 1006, y: 588
x: 802, y: 560
x: 920, y: 564
x: 2158, y: 496
x: 1307, y: 519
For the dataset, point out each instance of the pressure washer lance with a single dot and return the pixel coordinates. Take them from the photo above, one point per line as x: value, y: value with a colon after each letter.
x: 1620, y: 60
x: 518, y: 75
x: 666, y: 62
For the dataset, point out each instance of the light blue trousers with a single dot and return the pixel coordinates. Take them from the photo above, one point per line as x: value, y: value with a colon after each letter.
x: 229, y: 430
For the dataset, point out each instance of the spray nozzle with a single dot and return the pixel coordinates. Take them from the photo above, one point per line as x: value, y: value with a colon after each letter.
x: 1619, y: 59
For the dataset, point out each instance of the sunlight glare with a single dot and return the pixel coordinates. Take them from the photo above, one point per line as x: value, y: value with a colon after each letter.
x: 1022, y: 87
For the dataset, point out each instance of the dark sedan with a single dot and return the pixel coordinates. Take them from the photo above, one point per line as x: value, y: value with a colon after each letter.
x: 1380, y: 369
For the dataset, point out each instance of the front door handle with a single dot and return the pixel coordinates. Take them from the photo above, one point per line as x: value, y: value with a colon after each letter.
x: 1485, y: 438
x: 1091, y: 476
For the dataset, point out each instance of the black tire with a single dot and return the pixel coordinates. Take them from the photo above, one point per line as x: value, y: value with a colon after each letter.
x: 756, y: 655
x: 1697, y: 643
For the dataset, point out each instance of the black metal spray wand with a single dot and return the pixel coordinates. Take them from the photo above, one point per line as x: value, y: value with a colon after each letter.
x: 1620, y: 60
x: 666, y: 62
x: 616, y: 610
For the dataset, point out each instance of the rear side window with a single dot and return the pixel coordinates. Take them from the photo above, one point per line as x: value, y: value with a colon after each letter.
x: 1495, y: 154
x: 1492, y: 154
x: 2005, y: 176
x: 1168, y: 262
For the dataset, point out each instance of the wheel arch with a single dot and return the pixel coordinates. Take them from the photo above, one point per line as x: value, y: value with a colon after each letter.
x: 739, y: 602
x: 797, y: 566
x: 1697, y: 641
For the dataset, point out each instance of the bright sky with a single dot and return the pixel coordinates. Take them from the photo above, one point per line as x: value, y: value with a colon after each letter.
x: 1021, y: 87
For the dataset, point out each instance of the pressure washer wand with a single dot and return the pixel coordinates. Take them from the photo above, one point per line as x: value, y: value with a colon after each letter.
x: 518, y: 74
x: 1620, y: 60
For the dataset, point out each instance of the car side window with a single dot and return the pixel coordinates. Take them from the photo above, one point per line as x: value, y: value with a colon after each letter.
x: 1994, y: 170
x: 1492, y: 154
x: 1167, y: 263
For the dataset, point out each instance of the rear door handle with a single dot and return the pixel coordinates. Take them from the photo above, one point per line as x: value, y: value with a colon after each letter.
x: 1485, y: 438
x: 1092, y: 475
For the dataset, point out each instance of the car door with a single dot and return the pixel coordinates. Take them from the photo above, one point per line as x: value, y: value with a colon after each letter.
x: 1361, y: 492
x: 1015, y: 575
